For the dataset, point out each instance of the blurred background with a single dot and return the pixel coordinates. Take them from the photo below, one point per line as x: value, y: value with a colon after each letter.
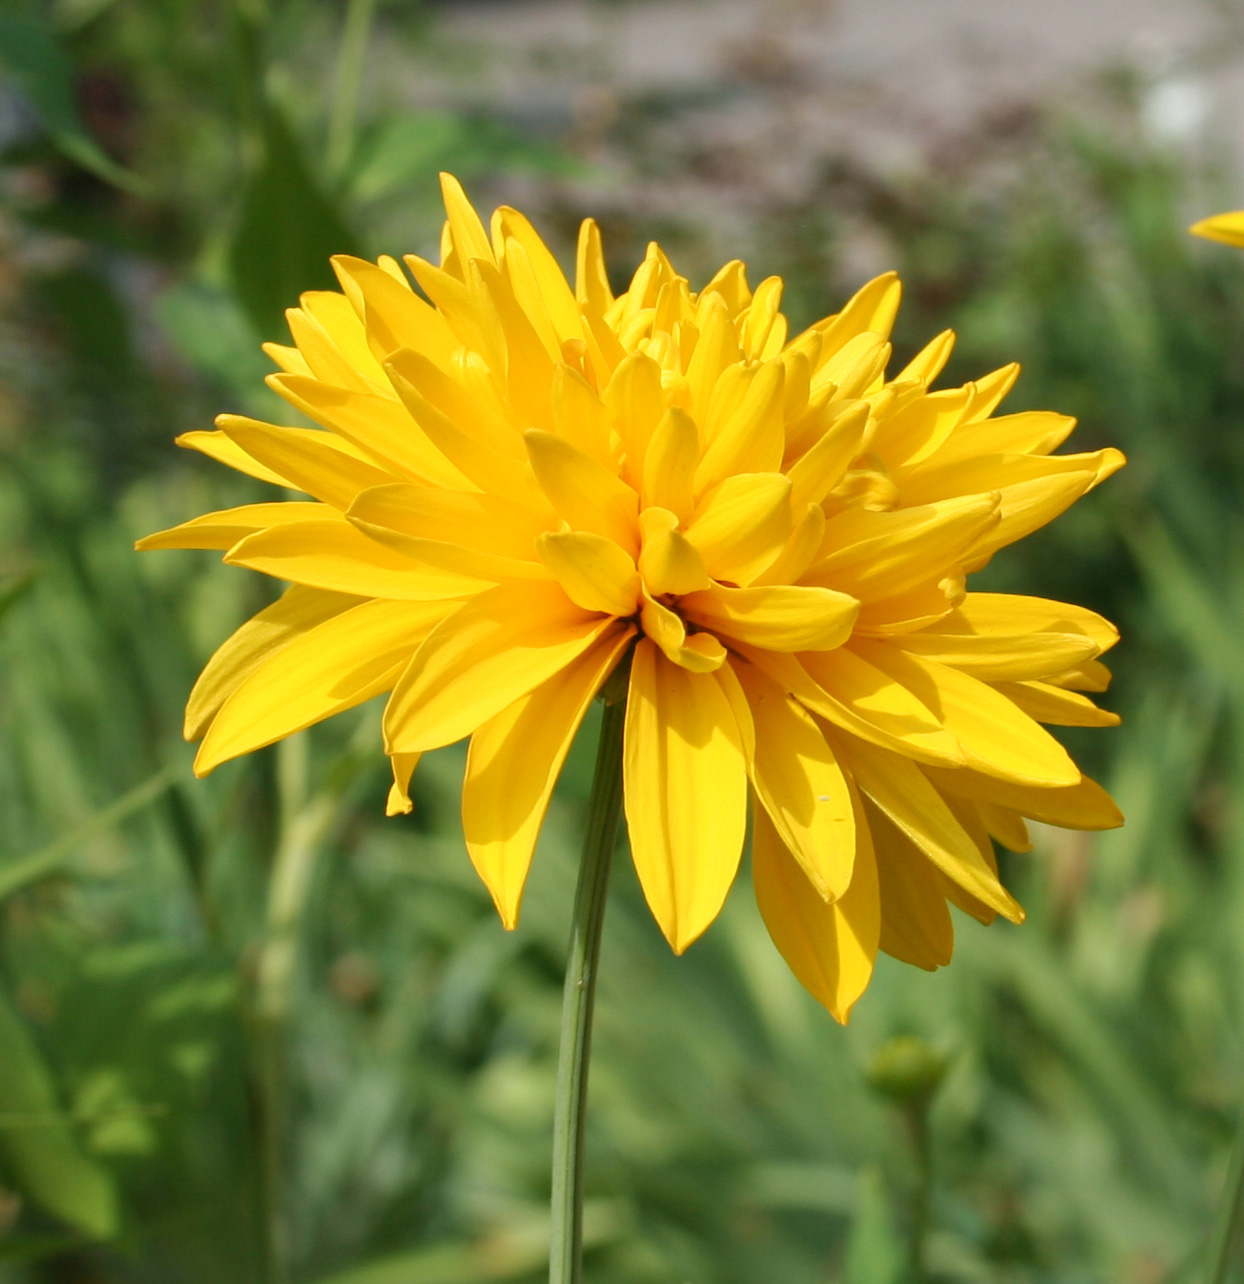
x: 251, y: 1032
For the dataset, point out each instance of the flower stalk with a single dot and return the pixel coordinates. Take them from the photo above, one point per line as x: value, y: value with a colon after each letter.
x: 1230, y: 1217
x: 579, y: 995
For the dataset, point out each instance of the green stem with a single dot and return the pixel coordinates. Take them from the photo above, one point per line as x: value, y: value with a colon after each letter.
x: 918, y: 1124
x: 1231, y: 1215
x: 351, y: 62
x: 566, y: 1247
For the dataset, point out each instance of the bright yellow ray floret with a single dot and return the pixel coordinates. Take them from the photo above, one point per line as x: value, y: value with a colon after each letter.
x: 519, y: 484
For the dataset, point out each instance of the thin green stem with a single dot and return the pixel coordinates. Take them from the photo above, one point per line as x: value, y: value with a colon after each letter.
x: 918, y: 1125
x: 1230, y: 1215
x: 351, y: 61
x: 566, y: 1247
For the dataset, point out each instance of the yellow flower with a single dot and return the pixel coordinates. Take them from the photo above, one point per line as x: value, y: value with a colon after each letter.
x: 519, y: 484
x: 1228, y: 228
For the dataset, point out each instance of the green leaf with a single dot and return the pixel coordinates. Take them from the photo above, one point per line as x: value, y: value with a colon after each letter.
x: 49, y: 1167
x: 874, y: 1250
x: 444, y: 1264
x: 287, y: 232
x: 411, y: 149
x: 20, y: 873
x: 13, y: 592
x: 35, y: 58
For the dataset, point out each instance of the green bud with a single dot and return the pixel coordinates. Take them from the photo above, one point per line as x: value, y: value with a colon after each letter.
x: 906, y: 1070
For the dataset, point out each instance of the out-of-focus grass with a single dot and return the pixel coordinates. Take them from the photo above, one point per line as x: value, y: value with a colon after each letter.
x: 1094, y: 1055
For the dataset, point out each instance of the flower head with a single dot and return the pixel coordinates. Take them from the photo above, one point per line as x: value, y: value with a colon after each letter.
x: 518, y: 485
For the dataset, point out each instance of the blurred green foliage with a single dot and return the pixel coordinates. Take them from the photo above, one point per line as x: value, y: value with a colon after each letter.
x: 248, y: 1021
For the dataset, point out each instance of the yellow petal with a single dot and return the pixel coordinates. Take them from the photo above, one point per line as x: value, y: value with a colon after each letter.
x: 225, y: 528
x: 331, y: 338
x: 380, y: 426
x: 583, y: 493
x: 1083, y: 806
x: 777, y: 617
x: 997, y: 737
x: 993, y: 614
x: 668, y: 561
x: 558, y: 297
x: 800, y: 550
x: 919, y: 429
x: 969, y: 817
x: 861, y: 699
x: 319, y: 463
x: 685, y: 785
x: 471, y: 405
x: 829, y: 947
x: 716, y: 349
x: 636, y: 405
x: 335, y: 555
x: 529, y: 365
x: 472, y: 534
x: 856, y: 370
x: 992, y: 390
x: 742, y: 526
x: 669, y: 466
x: 751, y: 438
x: 999, y: 657
x: 477, y: 465
x: 398, y: 802
x: 1032, y: 432
x: 592, y: 280
x: 514, y: 761
x: 334, y: 666
x: 470, y: 239
x: 285, y: 358
x: 799, y: 782
x: 394, y: 316
x: 594, y: 571
x: 929, y: 362
x: 498, y: 647
x: 218, y: 446
x: 297, y: 612
x: 1007, y: 637
x: 875, y: 555
x: 904, y: 794
x: 1228, y: 228
x: 579, y: 415
x: 700, y: 653
x: 1092, y: 675
x: 1002, y: 823
x: 1053, y: 705
x: 871, y: 308
x: 913, y: 610
x: 466, y: 306
x: 822, y: 466
x: 915, y: 923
